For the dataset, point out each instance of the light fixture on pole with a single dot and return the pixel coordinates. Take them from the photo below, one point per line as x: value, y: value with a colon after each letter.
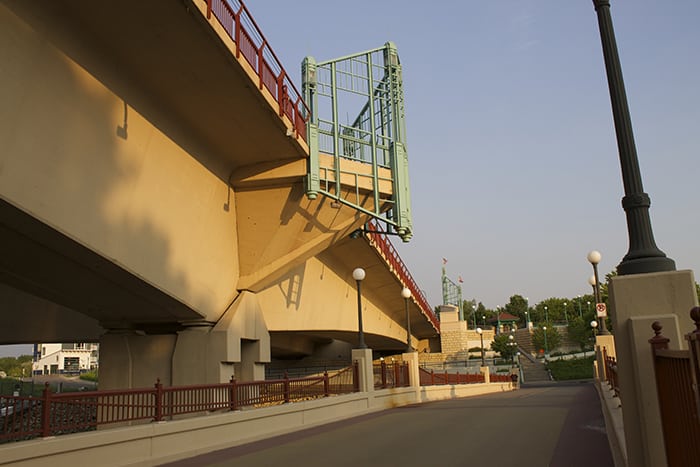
x: 643, y: 255
x: 481, y: 335
x: 544, y: 329
x: 359, y: 275
x: 406, y: 294
x: 474, y: 314
x: 566, y: 316
x: 512, y: 344
x: 546, y: 315
x: 594, y: 324
x: 594, y: 258
x: 527, y: 314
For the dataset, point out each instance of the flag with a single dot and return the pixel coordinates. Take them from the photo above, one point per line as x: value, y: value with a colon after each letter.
x: 444, y: 261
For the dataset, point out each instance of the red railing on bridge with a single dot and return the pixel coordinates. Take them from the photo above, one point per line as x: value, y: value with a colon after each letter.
x: 430, y: 378
x: 26, y: 417
x: 380, y: 241
x: 235, y: 18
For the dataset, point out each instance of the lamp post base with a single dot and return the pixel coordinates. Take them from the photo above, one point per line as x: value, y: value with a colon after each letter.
x: 645, y: 265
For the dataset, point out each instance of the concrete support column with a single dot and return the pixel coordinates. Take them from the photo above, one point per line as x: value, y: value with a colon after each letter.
x: 636, y: 302
x: 131, y: 360
x: 411, y: 359
x: 484, y: 370
x: 366, y: 372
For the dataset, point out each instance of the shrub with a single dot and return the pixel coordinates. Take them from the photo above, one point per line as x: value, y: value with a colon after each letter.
x: 89, y: 376
x: 576, y: 368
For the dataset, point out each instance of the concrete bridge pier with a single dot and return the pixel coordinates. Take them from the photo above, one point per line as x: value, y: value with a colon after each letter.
x: 238, y: 345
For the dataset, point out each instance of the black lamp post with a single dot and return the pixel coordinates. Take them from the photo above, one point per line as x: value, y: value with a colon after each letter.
x: 359, y: 274
x: 406, y: 294
x: 594, y: 259
x: 643, y: 255
x: 481, y: 334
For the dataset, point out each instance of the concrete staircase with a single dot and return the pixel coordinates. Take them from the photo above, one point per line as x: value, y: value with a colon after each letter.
x: 533, y: 369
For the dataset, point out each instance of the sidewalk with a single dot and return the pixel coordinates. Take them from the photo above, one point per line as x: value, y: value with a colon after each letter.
x: 548, y: 425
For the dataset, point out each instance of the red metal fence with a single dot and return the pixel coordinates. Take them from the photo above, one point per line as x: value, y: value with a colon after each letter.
x: 235, y: 18
x: 391, y: 256
x: 430, y: 378
x: 391, y: 375
x: 54, y: 414
x: 678, y: 394
x: 610, y: 372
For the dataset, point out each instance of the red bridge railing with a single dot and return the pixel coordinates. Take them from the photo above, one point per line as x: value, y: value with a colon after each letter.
x: 27, y: 417
x: 235, y: 18
x: 391, y: 256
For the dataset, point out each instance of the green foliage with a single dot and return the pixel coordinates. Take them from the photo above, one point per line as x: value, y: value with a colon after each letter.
x: 501, y: 344
x: 89, y: 376
x: 517, y: 306
x: 697, y: 291
x: 552, y: 341
x: 580, y: 331
x: 13, y: 366
x: 577, y: 368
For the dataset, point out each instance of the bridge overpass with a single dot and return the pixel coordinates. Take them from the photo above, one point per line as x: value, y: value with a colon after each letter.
x: 154, y: 196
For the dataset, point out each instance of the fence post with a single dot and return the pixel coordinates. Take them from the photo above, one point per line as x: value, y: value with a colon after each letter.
x: 432, y: 377
x: 159, y: 401
x: 208, y: 9
x: 383, y: 368
x: 658, y: 342
x: 356, y: 376
x: 46, y: 411
x: 693, y: 338
x: 286, y: 387
x: 233, y: 394
x: 326, y: 384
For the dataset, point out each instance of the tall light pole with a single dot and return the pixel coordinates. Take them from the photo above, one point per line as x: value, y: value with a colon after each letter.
x: 544, y: 328
x: 527, y: 313
x: 566, y: 316
x: 546, y: 316
x: 474, y: 314
x: 481, y: 335
x: 580, y: 315
x: 594, y: 258
x: 643, y: 255
x: 406, y: 294
x: 359, y: 275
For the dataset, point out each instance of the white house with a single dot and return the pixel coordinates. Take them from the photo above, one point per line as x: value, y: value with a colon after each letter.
x: 72, y: 358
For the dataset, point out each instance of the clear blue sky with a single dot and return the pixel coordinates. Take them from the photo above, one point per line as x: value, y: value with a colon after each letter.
x: 514, y: 166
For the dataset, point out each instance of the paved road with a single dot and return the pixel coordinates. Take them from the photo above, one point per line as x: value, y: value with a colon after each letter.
x: 538, y: 426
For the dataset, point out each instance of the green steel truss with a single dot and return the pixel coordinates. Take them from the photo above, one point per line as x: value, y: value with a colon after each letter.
x: 452, y: 294
x: 365, y: 91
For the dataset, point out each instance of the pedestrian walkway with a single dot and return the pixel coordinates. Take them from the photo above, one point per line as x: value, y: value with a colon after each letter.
x: 551, y: 425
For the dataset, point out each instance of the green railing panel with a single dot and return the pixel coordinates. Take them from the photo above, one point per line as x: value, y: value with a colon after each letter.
x: 357, y: 114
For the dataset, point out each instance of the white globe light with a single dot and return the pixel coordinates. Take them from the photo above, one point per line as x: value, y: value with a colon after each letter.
x: 594, y: 257
x: 358, y: 274
x: 479, y: 330
x: 406, y: 292
x: 594, y: 324
x: 591, y: 280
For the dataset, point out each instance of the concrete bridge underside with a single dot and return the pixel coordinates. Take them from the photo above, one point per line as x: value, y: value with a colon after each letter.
x: 152, y: 198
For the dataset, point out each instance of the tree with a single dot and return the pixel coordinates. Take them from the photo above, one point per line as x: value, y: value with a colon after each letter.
x: 697, y: 290
x: 553, y: 339
x: 517, y: 306
x: 502, y: 344
x: 580, y: 331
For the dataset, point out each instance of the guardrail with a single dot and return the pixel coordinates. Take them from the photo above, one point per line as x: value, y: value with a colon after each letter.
x: 677, y: 374
x: 390, y: 375
x: 610, y: 372
x: 430, y: 378
x: 382, y: 244
x: 53, y: 414
x: 235, y: 18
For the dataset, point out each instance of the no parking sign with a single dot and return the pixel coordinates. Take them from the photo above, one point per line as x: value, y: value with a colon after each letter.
x: 601, y: 310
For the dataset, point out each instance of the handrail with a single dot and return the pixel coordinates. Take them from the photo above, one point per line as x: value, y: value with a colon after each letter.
x: 27, y: 417
x: 271, y: 74
x: 384, y: 246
